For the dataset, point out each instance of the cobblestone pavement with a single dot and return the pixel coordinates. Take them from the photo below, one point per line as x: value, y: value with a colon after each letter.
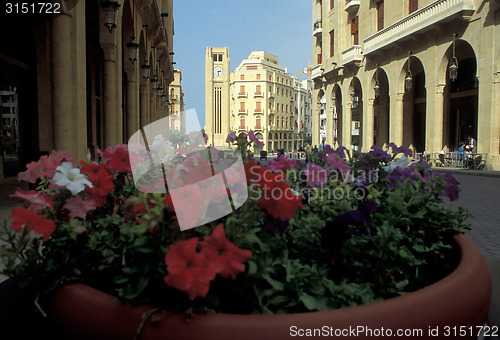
x: 481, y: 196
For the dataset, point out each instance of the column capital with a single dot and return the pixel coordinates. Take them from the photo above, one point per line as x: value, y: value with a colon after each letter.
x: 440, y: 88
x: 371, y: 101
x: 399, y: 96
x: 496, y: 77
x: 109, y: 52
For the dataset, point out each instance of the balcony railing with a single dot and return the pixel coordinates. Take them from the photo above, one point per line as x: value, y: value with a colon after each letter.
x: 174, y: 97
x: 317, y: 28
x: 242, y: 95
x: 353, y: 54
x: 351, y: 6
x: 258, y: 94
x: 242, y: 112
x: 426, y: 18
x: 257, y: 112
x: 316, y: 72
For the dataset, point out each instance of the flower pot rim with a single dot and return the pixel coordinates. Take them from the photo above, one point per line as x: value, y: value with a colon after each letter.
x: 441, y: 303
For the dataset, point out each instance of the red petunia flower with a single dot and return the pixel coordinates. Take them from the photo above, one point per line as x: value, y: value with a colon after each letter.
x: 117, y: 159
x: 279, y: 200
x: 223, y: 257
x: 186, y: 269
x: 31, y: 221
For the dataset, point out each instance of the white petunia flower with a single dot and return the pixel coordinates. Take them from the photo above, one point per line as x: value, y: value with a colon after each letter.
x: 398, y: 163
x: 71, y: 178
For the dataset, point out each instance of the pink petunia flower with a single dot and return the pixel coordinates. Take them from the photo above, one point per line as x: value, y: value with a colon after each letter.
x: 33, y: 199
x: 78, y: 207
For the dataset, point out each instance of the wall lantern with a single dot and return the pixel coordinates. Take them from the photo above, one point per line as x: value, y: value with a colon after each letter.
x: 133, y: 50
x: 453, y: 69
x: 110, y: 8
x: 146, y: 70
x: 376, y: 88
x: 133, y: 46
x: 154, y: 82
x: 409, y: 79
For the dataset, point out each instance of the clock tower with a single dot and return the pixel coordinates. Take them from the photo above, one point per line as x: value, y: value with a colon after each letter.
x: 217, y: 113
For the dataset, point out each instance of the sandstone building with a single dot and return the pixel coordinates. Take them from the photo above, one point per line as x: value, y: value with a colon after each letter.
x: 259, y: 95
x: 422, y: 73
x: 74, y: 82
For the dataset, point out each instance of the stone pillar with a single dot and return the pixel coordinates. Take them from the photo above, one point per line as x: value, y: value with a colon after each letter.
x: 64, y: 120
x: 396, y: 122
x: 315, y: 123
x: 144, y: 104
x: 113, y: 122
x: 368, y: 122
x: 329, y: 123
x: 434, y: 122
x: 346, y: 127
x: 152, y: 106
x: 132, y: 102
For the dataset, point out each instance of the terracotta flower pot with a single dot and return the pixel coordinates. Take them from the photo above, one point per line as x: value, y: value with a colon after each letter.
x: 455, y: 304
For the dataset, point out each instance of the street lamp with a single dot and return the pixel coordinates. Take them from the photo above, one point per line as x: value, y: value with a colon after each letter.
x: 133, y: 49
x: 376, y: 88
x: 154, y: 82
x: 408, y: 79
x: 133, y: 46
x: 453, y: 69
x: 110, y: 8
x: 146, y: 70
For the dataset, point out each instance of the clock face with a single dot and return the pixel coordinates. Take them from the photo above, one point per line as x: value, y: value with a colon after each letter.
x: 217, y: 71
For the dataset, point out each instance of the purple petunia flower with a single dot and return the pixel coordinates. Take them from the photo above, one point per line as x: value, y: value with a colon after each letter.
x: 254, y: 139
x: 451, y: 188
x: 282, y: 164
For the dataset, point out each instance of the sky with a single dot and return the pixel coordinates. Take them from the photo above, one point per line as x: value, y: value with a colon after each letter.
x: 280, y: 27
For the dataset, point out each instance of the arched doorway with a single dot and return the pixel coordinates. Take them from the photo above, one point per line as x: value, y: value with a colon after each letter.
x: 19, y: 137
x: 381, y: 108
x: 356, y: 114
x: 94, y: 62
x: 461, y: 98
x: 414, y: 105
x: 322, y: 117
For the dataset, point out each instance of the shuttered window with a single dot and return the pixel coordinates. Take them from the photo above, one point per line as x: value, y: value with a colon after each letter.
x: 354, y: 30
x: 332, y: 43
x: 380, y: 15
x: 413, y: 5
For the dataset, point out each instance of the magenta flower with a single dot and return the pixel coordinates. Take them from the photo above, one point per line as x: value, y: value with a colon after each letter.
x: 282, y: 164
x: 254, y: 139
x: 335, y: 161
x: 231, y: 137
x: 316, y: 175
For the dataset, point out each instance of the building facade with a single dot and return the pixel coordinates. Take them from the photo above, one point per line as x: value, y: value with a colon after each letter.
x: 259, y: 95
x: 74, y: 83
x: 419, y: 73
x: 176, y: 100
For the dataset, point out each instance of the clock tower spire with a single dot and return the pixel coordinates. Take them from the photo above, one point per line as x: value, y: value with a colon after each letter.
x: 217, y: 96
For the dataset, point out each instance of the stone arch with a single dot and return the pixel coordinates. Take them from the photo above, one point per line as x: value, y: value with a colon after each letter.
x: 381, y: 107
x: 337, y: 114
x: 460, y: 109
x: 356, y: 121
x: 414, y: 104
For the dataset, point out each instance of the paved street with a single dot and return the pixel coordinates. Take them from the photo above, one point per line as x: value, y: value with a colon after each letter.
x: 481, y: 195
